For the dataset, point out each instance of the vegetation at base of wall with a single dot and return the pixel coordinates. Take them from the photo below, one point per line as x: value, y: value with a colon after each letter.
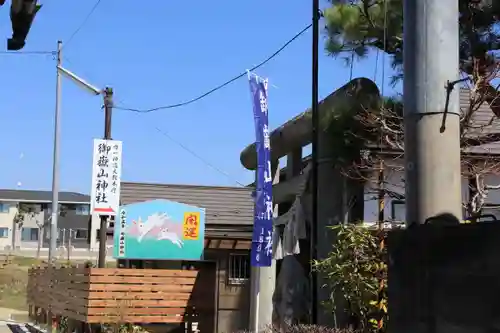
x: 356, y: 273
x: 130, y: 328
x: 304, y: 329
x: 13, y: 284
x: 14, y: 280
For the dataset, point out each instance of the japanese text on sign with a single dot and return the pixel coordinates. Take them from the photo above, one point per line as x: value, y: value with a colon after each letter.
x: 106, y: 174
x: 123, y: 225
x: 263, y: 218
x: 191, y: 226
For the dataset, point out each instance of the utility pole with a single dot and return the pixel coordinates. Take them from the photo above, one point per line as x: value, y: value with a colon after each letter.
x: 314, y: 155
x: 108, y: 109
x: 431, y: 109
x: 55, y: 166
x: 108, y: 106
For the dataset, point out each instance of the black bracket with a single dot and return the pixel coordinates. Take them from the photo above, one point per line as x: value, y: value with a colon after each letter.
x: 450, y: 85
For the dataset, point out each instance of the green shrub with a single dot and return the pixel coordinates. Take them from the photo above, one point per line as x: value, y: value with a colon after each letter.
x: 355, y: 270
x: 305, y: 329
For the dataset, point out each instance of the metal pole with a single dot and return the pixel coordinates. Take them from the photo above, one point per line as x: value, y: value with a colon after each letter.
x: 69, y: 244
x: 432, y: 124
x: 63, y: 243
x: 55, y: 181
x: 55, y: 166
x: 108, y: 109
x: 314, y: 155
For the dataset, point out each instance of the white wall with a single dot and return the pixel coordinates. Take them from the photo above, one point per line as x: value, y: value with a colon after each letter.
x: 31, y: 221
x: 394, y: 183
x: 7, y: 221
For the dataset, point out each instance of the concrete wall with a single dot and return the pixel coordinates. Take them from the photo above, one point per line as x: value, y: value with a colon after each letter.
x: 445, y: 279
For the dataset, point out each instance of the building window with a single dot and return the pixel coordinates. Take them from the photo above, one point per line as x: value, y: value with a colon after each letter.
x: 82, y: 209
x: 81, y: 234
x: 4, y: 232
x: 29, y: 234
x: 4, y: 207
x: 398, y: 210
x: 238, y: 271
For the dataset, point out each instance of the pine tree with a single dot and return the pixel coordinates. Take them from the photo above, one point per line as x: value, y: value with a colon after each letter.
x: 358, y: 25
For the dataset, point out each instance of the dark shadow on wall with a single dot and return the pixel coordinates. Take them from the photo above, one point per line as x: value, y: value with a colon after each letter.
x: 445, y: 276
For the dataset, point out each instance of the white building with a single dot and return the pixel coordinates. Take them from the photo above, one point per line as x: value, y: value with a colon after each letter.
x: 26, y: 235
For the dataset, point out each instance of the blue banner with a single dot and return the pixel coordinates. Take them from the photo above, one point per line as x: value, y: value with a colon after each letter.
x: 263, y: 214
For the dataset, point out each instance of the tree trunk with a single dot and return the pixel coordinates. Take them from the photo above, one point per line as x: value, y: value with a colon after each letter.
x: 14, y: 234
x: 40, y: 240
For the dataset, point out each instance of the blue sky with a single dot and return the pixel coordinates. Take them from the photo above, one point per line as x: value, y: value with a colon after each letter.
x: 156, y: 55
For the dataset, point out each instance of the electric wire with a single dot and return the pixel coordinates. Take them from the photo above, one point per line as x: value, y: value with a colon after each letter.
x: 27, y: 52
x: 82, y: 24
x: 178, y: 143
x: 197, y: 156
x: 211, y: 91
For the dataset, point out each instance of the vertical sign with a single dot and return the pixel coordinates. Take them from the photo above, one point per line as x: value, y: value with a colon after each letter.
x: 263, y: 215
x: 106, y: 176
x: 191, y: 226
x: 121, y: 240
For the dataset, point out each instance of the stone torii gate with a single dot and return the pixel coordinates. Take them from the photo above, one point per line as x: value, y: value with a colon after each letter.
x: 292, y: 190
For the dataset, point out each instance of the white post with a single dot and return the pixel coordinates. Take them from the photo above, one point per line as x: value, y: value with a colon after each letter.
x: 262, y: 284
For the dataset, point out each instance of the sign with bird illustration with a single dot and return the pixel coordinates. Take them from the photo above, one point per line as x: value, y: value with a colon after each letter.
x: 160, y: 229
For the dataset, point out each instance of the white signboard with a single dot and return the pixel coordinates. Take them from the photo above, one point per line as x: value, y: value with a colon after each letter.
x: 106, y: 177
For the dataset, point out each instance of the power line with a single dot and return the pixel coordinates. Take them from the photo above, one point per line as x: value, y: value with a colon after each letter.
x: 27, y: 52
x: 184, y: 147
x: 82, y: 24
x: 211, y: 91
x: 194, y: 154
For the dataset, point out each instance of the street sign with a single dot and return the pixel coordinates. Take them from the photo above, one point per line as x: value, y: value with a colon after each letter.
x: 106, y: 177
